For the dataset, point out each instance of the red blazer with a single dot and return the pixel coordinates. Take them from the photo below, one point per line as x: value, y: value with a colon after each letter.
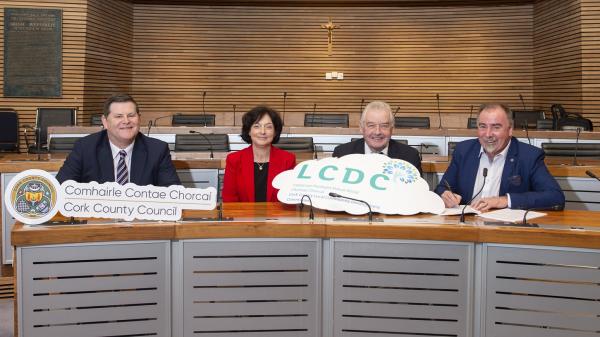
x: 238, y: 183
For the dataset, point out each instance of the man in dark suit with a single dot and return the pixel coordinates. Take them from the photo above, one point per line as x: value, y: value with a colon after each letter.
x: 516, y: 174
x: 120, y: 152
x: 376, y: 126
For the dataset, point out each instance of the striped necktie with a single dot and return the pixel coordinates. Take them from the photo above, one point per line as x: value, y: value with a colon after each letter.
x: 122, y: 173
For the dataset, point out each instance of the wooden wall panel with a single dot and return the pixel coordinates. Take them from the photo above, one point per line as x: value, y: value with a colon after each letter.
x: 557, y: 54
x: 590, y: 35
x: 108, y: 65
x: 74, y: 18
x: 246, y: 55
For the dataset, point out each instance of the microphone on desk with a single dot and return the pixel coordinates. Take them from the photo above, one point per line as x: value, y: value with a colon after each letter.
x: 522, y: 101
x: 578, y: 131
x: 394, y: 115
x: 551, y: 208
x: 437, y: 97
x: 234, y: 115
x: 313, y: 114
x: 527, y: 132
x: 311, y: 214
x: 155, y: 121
x: 149, y: 127
x: 203, y: 110
x: 283, y: 115
x: 362, y: 103
x: 471, y: 113
x: 210, y: 147
x: 220, y: 212
x: 335, y: 195
x: 592, y: 175
x: 462, y: 213
x: 315, y: 151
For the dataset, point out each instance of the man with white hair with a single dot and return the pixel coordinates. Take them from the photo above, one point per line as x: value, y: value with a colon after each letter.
x: 376, y: 126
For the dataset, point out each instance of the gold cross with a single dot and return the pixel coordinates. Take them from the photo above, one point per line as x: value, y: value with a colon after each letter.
x: 330, y: 27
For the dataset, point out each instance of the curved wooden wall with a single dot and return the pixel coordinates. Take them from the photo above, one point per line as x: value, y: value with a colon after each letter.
x: 167, y: 54
x: 246, y: 55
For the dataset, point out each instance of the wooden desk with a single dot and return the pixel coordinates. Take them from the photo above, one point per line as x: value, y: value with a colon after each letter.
x: 269, y: 271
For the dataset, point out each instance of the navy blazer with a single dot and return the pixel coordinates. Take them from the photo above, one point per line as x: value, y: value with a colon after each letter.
x: 92, y: 160
x: 525, y: 176
x: 396, y: 150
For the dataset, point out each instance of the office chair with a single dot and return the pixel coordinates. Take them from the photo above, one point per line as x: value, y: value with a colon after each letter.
x: 193, y: 120
x: 411, y: 122
x: 96, y: 120
x: 527, y: 117
x: 327, y: 120
x: 9, y: 131
x: 62, y: 144
x: 472, y: 123
x: 588, y: 150
x: 46, y: 117
x: 199, y: 142
x: 296, y: 144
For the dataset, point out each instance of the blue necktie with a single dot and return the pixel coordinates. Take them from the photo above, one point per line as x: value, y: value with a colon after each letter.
x: 122, y: 173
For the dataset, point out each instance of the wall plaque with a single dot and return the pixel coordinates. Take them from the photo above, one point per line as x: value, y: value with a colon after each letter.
x: 32, y: 52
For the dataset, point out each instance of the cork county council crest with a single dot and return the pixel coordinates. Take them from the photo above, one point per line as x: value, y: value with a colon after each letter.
x: 31, y: 197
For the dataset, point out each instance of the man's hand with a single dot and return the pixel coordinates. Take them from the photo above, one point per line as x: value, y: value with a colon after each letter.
x: 451, y: 199
x: 485, y: 204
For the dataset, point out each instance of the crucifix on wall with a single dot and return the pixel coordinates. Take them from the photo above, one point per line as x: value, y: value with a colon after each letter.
x: 330, y: 27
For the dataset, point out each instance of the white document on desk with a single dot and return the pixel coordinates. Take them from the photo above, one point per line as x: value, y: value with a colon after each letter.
x: 457, y: 210
x: 510, y: 215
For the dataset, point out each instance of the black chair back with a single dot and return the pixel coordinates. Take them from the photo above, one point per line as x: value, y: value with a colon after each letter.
x: 96, y: 120
x: 327, y: 120
x: 527, y: 117
x: 9, y: 131
x: 296, y: 144
x: 53, y: 117
x: 193, y: 120
x: 589, y: 150
x: 201, y: 142
x: 411, y: 122
x: 472, y: 123
x: 62, y: 144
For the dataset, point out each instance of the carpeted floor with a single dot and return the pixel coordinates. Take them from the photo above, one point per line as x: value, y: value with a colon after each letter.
x: 6, y: 318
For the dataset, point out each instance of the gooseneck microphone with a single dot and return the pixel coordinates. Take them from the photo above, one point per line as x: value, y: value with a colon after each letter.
x: 203, y: 110
x: 527, y: 133
x: 578, y: 131
x: 592, y: 175
x: 210, y: 147
x: 234, y: 115
x: 362, y: 103
x: 313, y: 114
x: 462, y: 213
x: 522, y: 101
x: 551, y: 208
x: 437, y: 97
x: 283, y: 115
x: 155, y: 121
x: 311, y: 214
x: 149, y: 127
x: 395, y: 113
x: 335, y: 195
x: 471, y: 113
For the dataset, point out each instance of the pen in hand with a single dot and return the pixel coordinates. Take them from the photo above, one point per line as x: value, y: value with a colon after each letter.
x: 447, y: 186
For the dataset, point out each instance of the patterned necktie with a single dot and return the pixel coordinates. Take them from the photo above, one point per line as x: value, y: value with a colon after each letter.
x: 122, y: 173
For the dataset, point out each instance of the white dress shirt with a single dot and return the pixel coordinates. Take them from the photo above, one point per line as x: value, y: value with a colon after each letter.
x: 494, y: 174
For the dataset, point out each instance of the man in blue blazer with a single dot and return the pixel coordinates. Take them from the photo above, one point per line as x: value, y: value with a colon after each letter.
x: 120, y: 152
x: 377, y: 125
x: 516, y: 174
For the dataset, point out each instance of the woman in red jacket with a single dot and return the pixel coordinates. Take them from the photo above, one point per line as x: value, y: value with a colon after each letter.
x: 249, y: 173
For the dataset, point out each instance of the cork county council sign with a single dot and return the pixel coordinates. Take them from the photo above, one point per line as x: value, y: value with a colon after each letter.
x: 389, y: 186
x: 35, y: 196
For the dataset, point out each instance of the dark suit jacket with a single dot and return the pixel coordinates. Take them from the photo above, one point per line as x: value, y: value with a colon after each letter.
x: 91, y: 160
x: 525, y: 176
x: 395, y: 150
x: 238, y: 183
